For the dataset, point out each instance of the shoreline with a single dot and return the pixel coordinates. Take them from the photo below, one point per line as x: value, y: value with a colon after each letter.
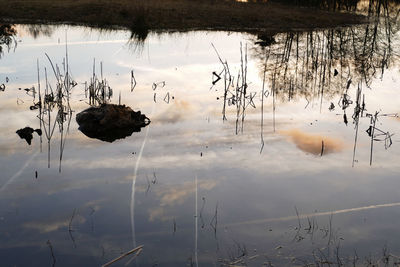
x: 142, y: 17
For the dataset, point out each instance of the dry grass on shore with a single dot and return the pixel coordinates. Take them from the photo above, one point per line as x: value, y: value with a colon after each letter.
x: 180, y: 15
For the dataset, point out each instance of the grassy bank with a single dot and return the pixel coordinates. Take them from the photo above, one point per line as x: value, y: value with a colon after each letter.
x: 180, y: 15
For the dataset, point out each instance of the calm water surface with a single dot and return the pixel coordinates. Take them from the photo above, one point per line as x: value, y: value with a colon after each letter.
x: 276, y: 182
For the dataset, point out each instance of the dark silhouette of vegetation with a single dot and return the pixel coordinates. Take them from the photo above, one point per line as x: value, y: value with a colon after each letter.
x: 7, y: 37
x: 348, y: 5
x: 369, y: 6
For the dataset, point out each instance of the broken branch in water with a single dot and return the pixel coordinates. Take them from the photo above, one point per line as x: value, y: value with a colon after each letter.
x: 137, y: 250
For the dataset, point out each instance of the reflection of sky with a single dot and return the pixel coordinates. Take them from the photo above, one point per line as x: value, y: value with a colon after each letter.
x: 187, y: 138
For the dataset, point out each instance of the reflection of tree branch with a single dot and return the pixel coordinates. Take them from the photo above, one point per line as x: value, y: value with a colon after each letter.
x: 214, y: 221
x: 262, y: 100
x: 70, y: 228
x: 91, y: 218
x: 51, y: 253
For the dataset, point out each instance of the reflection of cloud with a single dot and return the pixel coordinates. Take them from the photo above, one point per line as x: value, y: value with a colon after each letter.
x: 176, y: 112
x: 7, y: 149
x: 95, y: 204
x: 313, y: 143
x: 159, y: 213
x: 11, y: 105
x: 176, y: 195
x: 7, y: 70
x: 46, y: 227
x: 163, y: 161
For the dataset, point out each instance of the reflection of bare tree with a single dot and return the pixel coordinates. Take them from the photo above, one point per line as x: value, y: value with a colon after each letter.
x: 333, y: 5
x: 7, y: 37
x: 323, y: 64
x: 38, y: 30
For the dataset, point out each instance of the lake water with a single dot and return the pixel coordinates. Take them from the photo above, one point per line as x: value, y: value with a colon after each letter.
x: 226, y: 174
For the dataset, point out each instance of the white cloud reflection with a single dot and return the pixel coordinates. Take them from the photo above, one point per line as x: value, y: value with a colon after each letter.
x: 50, y: 226
x: 175, y: 195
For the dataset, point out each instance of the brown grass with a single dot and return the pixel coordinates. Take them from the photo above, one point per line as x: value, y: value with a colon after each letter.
x: 179, y: 15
